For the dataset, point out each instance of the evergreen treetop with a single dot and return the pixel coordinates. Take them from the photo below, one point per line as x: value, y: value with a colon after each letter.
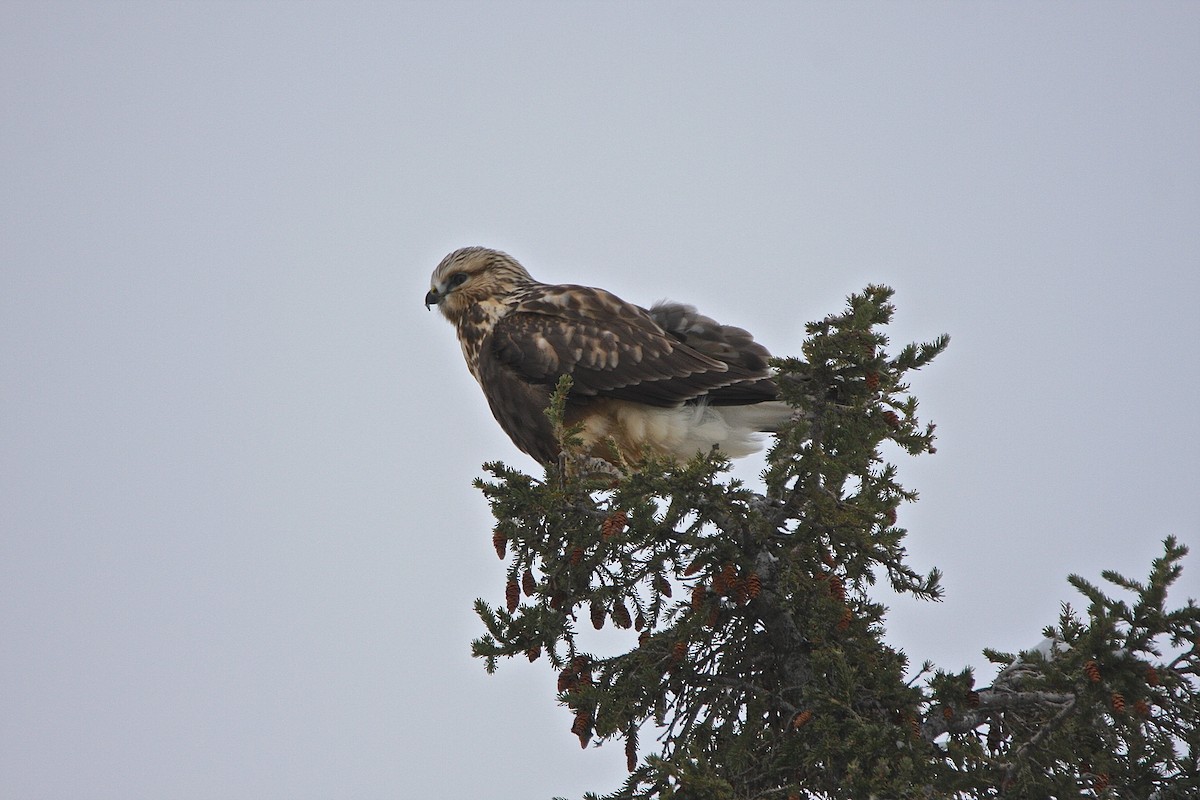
x: 752, y: 651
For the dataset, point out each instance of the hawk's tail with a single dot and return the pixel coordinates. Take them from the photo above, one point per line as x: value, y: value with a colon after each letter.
x: 758, y: 417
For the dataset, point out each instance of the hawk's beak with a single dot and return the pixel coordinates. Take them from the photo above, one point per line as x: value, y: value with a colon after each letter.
x: 432, y: 298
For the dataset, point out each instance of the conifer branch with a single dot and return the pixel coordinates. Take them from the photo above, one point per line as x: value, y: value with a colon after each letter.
x: 752, y: 645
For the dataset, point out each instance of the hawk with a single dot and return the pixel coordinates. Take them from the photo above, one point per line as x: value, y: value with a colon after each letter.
x: 664, y: 381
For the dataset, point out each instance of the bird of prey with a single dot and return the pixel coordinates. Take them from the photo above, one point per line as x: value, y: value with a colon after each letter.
x: 665, y: 381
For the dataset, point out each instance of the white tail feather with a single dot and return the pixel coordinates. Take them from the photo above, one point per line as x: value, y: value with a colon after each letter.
x: 695, y: 428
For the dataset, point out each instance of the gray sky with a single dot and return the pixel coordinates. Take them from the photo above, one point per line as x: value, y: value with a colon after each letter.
x: 239, y: 543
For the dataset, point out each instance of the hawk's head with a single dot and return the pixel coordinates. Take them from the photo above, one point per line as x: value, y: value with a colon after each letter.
x: 473, y: 276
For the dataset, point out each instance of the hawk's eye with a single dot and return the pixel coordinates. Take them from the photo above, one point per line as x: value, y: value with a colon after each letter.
x: 458, y: 279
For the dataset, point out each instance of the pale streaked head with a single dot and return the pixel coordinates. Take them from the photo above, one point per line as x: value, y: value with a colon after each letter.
x: 473, y: 275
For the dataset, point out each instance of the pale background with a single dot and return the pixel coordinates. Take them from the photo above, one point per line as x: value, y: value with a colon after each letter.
x: 239, y: 543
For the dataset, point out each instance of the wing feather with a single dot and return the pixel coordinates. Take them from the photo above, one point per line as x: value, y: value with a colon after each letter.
x: 617, y: 350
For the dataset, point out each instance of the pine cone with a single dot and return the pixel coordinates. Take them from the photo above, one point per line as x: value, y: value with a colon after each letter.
x: 582, y: 726
x: 534, y: 653
x: 844, y: 622
x: 720, y: 586
x: 801, y: 719
x: 631, y: 758
x: 1118, y: 702
x: 613, y: 524
x: 699, y: 594
x: 512, y: 594
x: 661, y: 585
x: 740, y: 595
x: 1152, y: 676
x: 597, y: 615
x: 500, y: 542
x: 729, y: 573
x: 753, y: 585
x: 528, y: 584
x: 620, y: 616
x: 1092, y: 671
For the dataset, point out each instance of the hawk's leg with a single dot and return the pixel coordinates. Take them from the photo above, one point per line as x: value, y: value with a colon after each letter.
x: 587, y: 466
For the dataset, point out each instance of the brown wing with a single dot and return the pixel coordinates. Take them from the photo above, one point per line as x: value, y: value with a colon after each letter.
x: 610, y: 348
x: 727, y: 343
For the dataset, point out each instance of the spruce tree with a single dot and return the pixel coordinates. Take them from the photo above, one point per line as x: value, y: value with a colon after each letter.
x: 750, y: 661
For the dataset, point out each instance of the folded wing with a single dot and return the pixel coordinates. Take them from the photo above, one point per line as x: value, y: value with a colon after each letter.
x: 613, y: 349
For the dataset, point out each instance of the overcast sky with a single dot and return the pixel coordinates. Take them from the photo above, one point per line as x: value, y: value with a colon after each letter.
x: 238, y: 541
